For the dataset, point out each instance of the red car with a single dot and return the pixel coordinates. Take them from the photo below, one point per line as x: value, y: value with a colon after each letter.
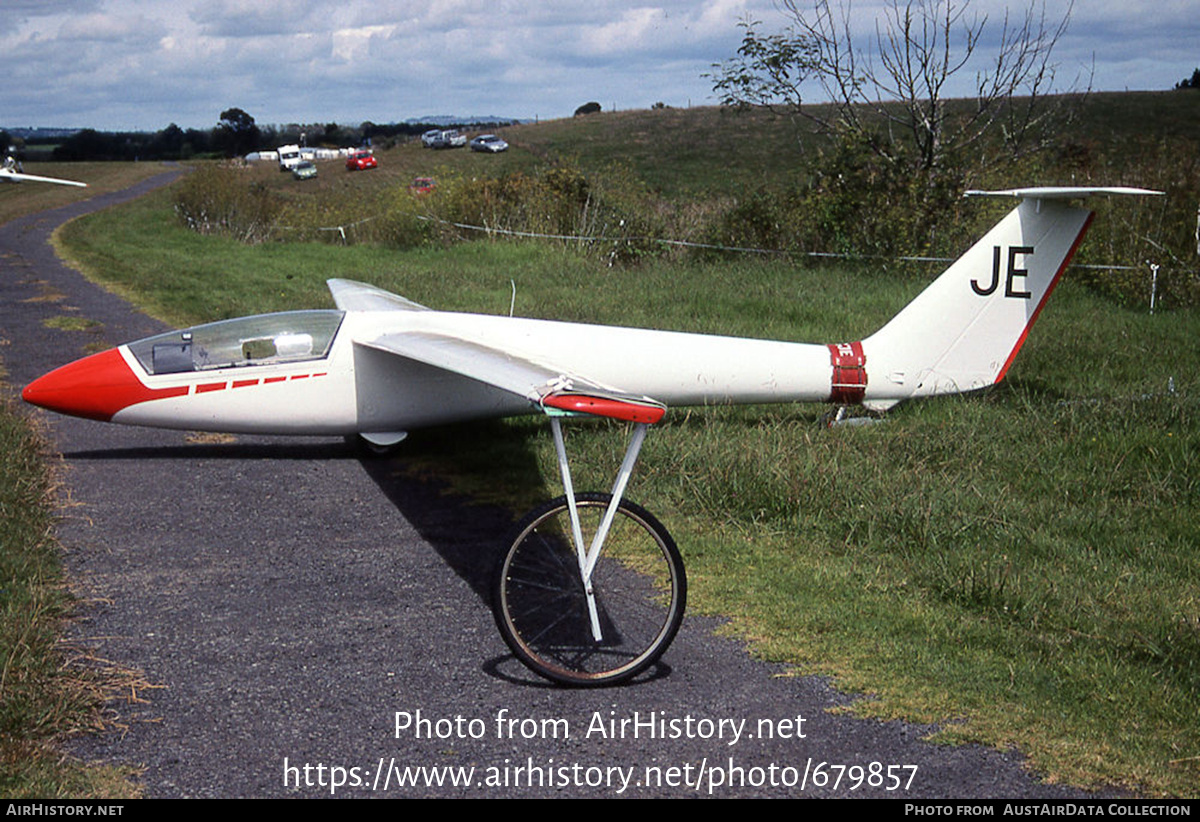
x: 360, y: 161
x: 422, y: 185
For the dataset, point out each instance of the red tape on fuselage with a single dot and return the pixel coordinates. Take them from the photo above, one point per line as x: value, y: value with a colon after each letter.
x: 848, y: 382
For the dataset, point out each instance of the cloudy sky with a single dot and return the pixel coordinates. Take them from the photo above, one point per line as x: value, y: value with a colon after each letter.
x: 142, y: 64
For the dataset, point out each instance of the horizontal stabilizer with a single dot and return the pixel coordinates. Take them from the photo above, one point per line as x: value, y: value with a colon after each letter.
x: 1060, y: 192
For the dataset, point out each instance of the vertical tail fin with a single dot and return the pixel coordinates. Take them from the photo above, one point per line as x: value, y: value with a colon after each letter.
x: 963, y: 331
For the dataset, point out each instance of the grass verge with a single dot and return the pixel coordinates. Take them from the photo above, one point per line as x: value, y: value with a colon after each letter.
x: 47, y: 690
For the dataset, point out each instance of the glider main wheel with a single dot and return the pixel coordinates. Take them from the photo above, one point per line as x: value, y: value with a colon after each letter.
x: 639, y: 592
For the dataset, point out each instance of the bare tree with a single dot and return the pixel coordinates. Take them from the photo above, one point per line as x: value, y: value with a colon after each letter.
x: 899, y: 85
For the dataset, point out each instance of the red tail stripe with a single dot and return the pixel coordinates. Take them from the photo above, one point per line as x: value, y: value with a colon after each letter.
x: 1049, y: 290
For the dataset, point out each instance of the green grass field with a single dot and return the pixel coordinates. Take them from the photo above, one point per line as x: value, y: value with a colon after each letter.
x: 1017, y: 565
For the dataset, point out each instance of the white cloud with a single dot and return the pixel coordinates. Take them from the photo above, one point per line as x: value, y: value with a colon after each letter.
x: 354, y: 44
x: 246, y: 18
x: 629, y: 33
x: 141, y: 63
x: 128, y: 31
x: 18, y: 14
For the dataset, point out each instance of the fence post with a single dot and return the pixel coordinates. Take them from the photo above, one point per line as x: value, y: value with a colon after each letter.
x: 1153, y: 284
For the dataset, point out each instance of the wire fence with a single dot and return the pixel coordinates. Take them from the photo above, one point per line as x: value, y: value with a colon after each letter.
x: 1153, y: 268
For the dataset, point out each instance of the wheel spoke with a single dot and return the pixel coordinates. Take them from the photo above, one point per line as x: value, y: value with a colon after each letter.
x: 639, y: 591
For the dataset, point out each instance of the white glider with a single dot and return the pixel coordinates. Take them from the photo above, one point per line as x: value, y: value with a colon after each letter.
x: 9, y: 174
x: 380, y: 365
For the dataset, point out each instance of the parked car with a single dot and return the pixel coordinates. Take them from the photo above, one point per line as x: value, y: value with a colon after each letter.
x: 304, y: 170
x: 361, y: 161
x: 422, y: 185
x: 428, y: 137
x: 289, y: 157
x: 448, y: 139
x: 488, y: 142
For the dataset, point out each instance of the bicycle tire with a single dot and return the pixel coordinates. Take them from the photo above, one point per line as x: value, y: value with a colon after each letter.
x: 639, y: 584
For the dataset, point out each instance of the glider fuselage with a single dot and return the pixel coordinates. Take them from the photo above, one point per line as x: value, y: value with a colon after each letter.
x: 352, y: 388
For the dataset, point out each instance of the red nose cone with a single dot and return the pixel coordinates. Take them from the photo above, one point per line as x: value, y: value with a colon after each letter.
x: 95, y: 387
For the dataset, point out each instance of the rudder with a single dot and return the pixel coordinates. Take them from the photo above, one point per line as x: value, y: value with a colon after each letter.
x: 963, y: 331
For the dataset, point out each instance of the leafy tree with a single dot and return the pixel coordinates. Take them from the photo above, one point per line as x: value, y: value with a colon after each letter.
x: 368, y: 130
x: 236, y: 133
x: 1190, y: 82
x: 89, y: 144
x: 168, y: 142
x: 196, y: 141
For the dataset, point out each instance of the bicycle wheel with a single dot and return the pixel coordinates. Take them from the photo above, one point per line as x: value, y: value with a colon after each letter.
x: 639, y: 588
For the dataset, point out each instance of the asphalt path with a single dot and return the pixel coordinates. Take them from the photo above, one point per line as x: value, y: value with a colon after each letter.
x: 318, y: 625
